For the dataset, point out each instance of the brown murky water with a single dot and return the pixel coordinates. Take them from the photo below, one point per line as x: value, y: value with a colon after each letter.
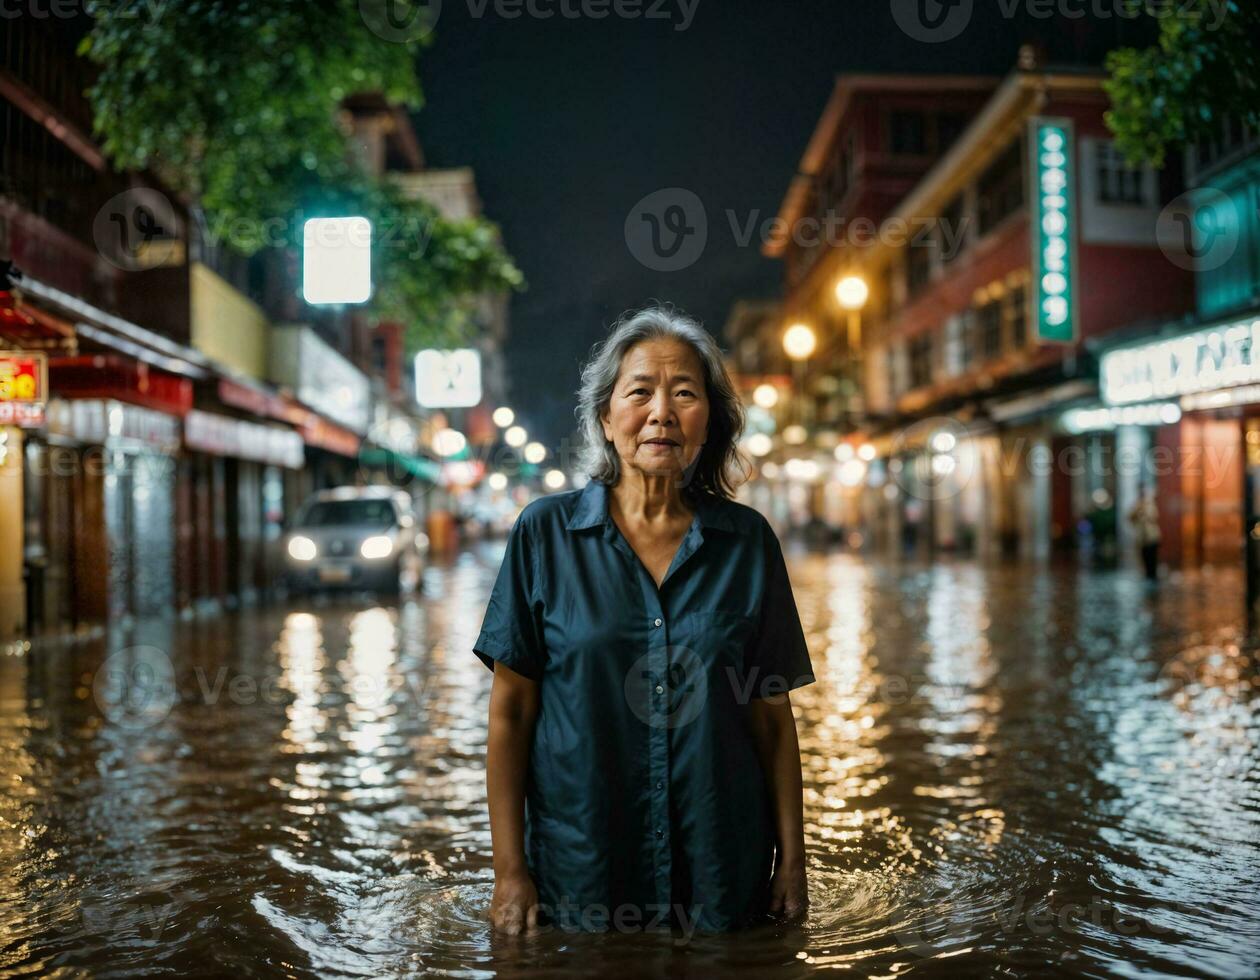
x: 1008, y: 772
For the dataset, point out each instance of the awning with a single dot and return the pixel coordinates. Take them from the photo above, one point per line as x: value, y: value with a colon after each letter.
x: 401, y: 463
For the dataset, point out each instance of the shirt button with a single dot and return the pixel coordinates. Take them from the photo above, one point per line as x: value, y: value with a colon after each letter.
x: 656, y: 622
x: 659, y: 833
x: 660, y: 783
x: 659, y: 689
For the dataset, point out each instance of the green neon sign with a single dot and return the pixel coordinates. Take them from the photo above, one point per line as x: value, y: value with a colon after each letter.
x: 1053, y: 254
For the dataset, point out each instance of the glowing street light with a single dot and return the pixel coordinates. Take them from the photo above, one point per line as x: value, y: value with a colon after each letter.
x: 497, y: 481
x: 503, y: 417
x: 759, y: 444
x: 515, y: 437
x: 852, y: 293
x: 765, y: 396
x: 554, y: 479
x: 535, y: 452
x: 799, y: 342
x: 449, y: 442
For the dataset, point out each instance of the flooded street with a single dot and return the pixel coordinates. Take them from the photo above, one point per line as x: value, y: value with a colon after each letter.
x: 1008, y: 771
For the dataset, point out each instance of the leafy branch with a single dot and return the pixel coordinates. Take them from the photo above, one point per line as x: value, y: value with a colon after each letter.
x: 237, y: 105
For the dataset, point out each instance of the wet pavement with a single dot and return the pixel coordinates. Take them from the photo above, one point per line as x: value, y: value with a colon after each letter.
x: 1009, y: 771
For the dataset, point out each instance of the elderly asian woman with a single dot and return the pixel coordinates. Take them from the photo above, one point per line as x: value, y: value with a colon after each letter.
x: 642, y: 765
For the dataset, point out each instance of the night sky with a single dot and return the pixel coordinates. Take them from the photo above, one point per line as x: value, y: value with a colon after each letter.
x: 569, y: 122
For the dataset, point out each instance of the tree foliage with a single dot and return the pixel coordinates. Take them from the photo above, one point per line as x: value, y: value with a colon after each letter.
x: 1205, y: 66
x: 235, y: 103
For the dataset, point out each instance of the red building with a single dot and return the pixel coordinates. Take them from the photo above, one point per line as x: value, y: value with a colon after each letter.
x: 998, y: 261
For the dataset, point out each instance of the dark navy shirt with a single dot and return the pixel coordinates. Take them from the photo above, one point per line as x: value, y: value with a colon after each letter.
x: 645, y: 791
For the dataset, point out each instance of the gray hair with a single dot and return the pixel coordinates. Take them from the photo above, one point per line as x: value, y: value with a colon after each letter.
x: 719, y: 466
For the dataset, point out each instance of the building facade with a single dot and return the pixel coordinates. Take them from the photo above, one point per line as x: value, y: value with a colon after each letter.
x: 1019, y: 242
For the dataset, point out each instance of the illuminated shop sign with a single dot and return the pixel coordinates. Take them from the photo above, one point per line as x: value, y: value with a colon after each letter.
x: 1218, y: 357
x: 23, y: 377
x: 1053, y: 257
x: 242, y: 439
x: 448, y: 378
x: 1102, y: 419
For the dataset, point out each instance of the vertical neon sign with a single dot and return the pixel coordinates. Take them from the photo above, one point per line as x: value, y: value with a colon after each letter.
x: 1053, y: 254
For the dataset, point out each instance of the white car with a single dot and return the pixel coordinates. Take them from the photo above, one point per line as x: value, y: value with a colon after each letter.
x: 355, y: 538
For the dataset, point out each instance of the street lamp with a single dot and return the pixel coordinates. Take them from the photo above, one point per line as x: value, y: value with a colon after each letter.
x: 799, y: 341
x: 504, y: 416
x: 852, y: 293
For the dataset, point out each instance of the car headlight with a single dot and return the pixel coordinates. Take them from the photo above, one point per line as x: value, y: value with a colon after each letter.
x: 377, y: 546
x: 301, y: 548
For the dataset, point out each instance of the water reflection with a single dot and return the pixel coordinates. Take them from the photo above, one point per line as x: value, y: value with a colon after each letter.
x: 1012, y: 766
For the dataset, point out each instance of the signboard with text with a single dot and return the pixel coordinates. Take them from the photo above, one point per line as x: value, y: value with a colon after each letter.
x: 1052, y: 148
x: 23, y: 377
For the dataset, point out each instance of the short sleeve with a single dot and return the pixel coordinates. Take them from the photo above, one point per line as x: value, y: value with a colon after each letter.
x: 778, y: 650
x: 511, y: 631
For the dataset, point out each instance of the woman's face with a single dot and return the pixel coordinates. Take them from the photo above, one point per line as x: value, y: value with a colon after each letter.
x: 658, y: 415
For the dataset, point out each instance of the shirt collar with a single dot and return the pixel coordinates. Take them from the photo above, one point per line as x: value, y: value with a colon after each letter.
x: 591, y: 510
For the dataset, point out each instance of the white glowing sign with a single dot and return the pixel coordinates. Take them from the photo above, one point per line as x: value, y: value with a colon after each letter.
x: 337, y: 260
x: 448, y: 378
x: 1218, y: 357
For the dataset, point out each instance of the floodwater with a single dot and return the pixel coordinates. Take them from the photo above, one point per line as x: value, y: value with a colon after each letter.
x: 1009, y: 771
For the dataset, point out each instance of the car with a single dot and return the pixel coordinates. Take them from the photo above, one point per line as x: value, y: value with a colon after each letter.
x: 355, y: 538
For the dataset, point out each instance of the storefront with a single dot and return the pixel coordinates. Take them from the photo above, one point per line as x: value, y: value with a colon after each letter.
x: 118, y: 461
x: 23, y: 386
x: 230, y: 507
x: 1204, y: 466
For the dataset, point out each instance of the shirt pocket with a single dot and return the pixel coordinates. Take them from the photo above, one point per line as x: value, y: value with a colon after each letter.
x: 720, y: 638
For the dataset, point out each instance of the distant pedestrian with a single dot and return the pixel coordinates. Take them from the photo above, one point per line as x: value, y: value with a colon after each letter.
x: 1145, y: 520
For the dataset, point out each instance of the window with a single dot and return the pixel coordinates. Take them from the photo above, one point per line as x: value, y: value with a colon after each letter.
x: 378, y: 354
x: 989, y: 318
x: 1000, y: 190
x: 921, y: 361
x: 953, y: 357
x: 1232, y: 134
x: 919, y: 261
x: 1118, y: 183
x: 1017, y: 299
x: 949, y: 127
x: 906, y: 132
x: 953, y: 231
